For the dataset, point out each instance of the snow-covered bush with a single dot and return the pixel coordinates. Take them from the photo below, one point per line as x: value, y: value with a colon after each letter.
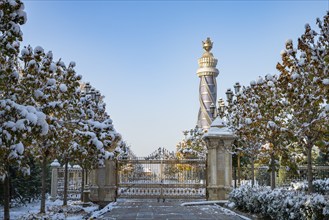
x: 320, y: 186
x: 246, y: 198
x: 290, y: 208
x: 280, y: 203
x: 271, y: 202
x: 313, y: 207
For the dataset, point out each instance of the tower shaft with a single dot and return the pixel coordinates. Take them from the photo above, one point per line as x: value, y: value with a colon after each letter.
x: 207, y: 73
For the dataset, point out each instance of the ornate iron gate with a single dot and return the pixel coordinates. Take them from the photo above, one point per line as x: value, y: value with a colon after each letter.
x: 161, y: 176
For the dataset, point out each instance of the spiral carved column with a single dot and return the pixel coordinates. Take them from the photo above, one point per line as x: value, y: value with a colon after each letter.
x: 207, y: 73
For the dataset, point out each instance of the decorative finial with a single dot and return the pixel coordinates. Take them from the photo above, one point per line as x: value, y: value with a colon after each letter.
x: 207, y: 45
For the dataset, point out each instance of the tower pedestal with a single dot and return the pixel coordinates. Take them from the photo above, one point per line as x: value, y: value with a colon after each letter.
x: 219, y: 161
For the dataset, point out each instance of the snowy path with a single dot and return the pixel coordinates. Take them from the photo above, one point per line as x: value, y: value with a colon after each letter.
x: 126, y: 209
x: 171, y: 209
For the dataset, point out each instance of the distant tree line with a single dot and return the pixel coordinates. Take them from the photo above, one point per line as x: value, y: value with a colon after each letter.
x: 46, y: 113
x: 283, y: 119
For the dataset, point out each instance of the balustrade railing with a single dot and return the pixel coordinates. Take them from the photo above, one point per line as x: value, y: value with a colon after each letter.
x: 284, y: 176
x: 74, y: 181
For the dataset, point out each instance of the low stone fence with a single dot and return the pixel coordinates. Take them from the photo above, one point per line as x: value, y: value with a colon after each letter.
x: 57, y: 181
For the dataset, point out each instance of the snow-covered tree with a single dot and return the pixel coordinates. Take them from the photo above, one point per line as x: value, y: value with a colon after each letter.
x: 316, y: 47
x: 192, y: 146
x: 96, y: 137
x: 304, y: 72
x: 271, y: 121
x: 240, y: 117
x: 40, y: 106
x: 18, y: 123
x: 12, y: 15
x: 69, y: 96
x: 257, y: 117
x: 51, y: 87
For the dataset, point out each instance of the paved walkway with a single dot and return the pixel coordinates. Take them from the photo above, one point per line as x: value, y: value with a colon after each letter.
x: 170, y: 209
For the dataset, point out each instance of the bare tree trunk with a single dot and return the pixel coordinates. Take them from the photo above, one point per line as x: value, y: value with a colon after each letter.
x: 43, y: 184
x: 272, y: 172
x: 82, y: 184
x: 252, y: 172
x: 87, y: 180
x: 6, y: 195
x: 309, y: 169
x: 239, y: 170
x: 65, y: 182
x: 234, y: 176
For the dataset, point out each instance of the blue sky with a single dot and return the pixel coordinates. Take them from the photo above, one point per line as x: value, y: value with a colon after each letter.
x: 142, y: 55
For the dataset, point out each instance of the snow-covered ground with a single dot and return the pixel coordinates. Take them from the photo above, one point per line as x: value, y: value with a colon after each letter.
x: 55, y: 211
x: 215, y: 203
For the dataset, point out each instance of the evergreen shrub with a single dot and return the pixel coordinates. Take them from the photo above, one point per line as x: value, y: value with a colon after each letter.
x: 280, y: 203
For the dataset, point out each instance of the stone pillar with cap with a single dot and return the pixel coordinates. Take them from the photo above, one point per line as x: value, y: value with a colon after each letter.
x: 219, y: 139
x: 103, y: 187
x: 54, y: 179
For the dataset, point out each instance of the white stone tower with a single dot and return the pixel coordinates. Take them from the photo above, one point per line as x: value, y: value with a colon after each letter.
x: 207, y: 73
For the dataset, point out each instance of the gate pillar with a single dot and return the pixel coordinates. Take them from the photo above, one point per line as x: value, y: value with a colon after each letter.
x: 103, y: 183
x: 219, y: 160
x: 54, y: 179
